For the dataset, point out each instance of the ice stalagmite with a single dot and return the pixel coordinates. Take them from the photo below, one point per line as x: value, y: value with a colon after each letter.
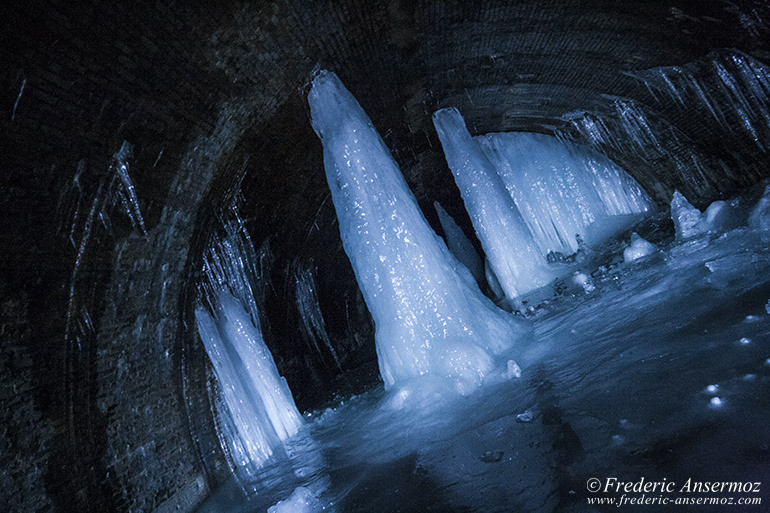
x: 459, y: 244
x: 513, y: 254
x: 259, y: 401
x: 563, y: 190
x: 687, y: 219
x: 257, y: 438
x: 430, y: 316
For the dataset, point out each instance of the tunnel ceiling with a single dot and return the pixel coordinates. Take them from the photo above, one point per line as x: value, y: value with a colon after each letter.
x: 98, y: 356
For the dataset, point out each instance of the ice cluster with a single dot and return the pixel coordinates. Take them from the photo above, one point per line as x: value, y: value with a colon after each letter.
x: 430, y: 316
x: 257, y: 399
x: 514, y: 256
x: 562, y: 189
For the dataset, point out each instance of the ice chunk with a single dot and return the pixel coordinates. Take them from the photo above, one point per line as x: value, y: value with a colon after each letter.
x: 526, y: 416
x: 301, y: 500
x: 639, y: 248
x: 687, y: 219
x: 512, y: 370
x: 459, y: 245
x: 430, y: 316
x: 561, y: 189
x: 583, y: 281
x: 518, y: 262
x: 720, y: 216
x: 759, y: 219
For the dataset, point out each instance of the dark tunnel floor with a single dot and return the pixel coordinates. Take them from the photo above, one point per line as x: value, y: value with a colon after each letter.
x: 618, y: 384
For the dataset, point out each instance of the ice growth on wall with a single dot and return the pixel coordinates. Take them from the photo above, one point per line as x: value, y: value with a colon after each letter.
x: 429, y: 314
x: 730, y: 87
x: 313, y: 324
x: 459, y: 245
x: 258, y: 399
x: 563, y: 190
x: 513, y: 254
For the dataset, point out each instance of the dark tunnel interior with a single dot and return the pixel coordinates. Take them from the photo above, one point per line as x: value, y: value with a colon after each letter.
x: 107, y: 391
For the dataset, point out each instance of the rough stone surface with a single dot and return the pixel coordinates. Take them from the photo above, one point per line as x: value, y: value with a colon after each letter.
x: 111, y: 410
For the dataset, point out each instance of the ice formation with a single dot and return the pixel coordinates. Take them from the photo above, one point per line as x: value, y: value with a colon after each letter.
x: 639, y: 248
x: 430, y: 316
x: 459, y: 245
x: 301, y: 500
x: 583, y: 281
x: 720, y: 216
x: 759, y: 219
x: 310, y: 310
x: 516, y: 259
x: 687, y: 219
x: 562, y: 189
x: 731, y: 87
x: 260, y: 404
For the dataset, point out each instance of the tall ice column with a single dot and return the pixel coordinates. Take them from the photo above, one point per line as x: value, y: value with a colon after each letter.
x: 513, y: 254
x: 430, y: 316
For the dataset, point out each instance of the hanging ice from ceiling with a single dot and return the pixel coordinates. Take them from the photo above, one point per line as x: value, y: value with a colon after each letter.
x: 513, y: 254
x: 563, y: 190
x: 260, y: 404
x: 430, y: 316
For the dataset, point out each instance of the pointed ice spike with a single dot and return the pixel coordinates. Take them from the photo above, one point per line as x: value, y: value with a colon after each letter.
x: 459, y: 244
x: 430, y: 316
x: 687, y: 219
x: 515, y: 258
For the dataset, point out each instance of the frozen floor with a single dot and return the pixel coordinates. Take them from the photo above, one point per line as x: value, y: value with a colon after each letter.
x: 617, y: 384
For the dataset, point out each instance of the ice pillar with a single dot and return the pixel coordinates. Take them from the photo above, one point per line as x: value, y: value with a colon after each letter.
x: 459, y: 245
x: 430, y: 316
x: 516, y: 259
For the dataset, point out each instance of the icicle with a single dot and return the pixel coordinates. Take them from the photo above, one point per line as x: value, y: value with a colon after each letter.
x: 120, y: 164
x: 430, y: 316
x: 459, y: 244
x: 563, y: 190
x: 512, y: 252
x: 18, y: 99
x: 310, y: 312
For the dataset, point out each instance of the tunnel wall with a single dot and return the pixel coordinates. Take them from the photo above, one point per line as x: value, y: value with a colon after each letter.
x: 104, y: 383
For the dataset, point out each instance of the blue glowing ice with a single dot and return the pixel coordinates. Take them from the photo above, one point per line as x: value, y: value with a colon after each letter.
x: 513, y: 254
x: 459, y: 245
x: 562, y: 189
x: 430, y: 316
